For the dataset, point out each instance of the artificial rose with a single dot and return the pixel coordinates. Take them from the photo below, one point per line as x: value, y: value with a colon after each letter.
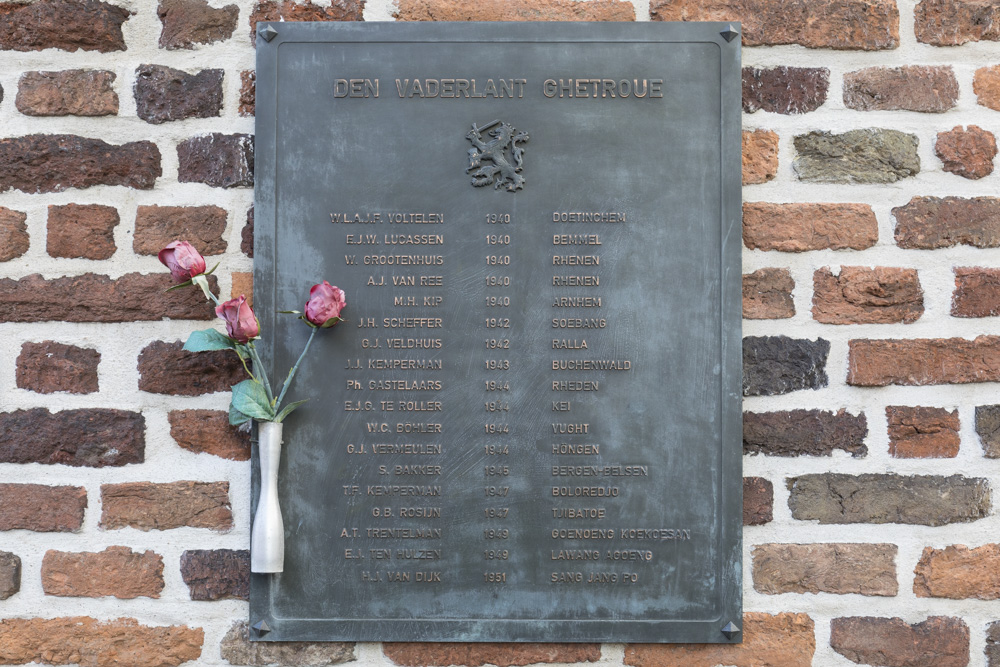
x: 325, y: 303
x: 241, y: 323
x: 183, y: 261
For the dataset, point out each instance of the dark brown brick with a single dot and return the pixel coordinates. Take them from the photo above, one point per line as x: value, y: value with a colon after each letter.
x: 863, y: 295
x: 939, y: 641
x: 322, y: 10
x: 988, y: 430
x: 514, y: 10
x: 190, y: 22
x: 55, y: 162
x: 237, y: 649
x: 804, y: 433
x: 868, y: 25
x: 117, y: 572
x: 48, y: 367
x: 760, y: 156
x: 219, y: 160
x: 977, y: 292
x: 90, y: 437
x: 778, y: 364
x: 69, y: 93
x: 91, y: 298
x: 758, y: 501
x: 967, y: 152
x: 922, y: 432
x: 149, y: 506
x: 209, y: 431
x: 986, y: 86
x: 909, y: 88
x: 922, y: 500
x: 217, y: 574
x: 958, y: 573
x: 10, y: 574
x: 803, y: 227
x: 165, y: 94
x: 842, y: 569
x: 93, y: 643
x: 916, y: 362
x: 993, y: 644
x: 201, y: 226
x: 872, y: 155
x: 767, y: 294
x: 81, y: 230
x: 14, y: 240
x: 942, y: 222
x: 69, y: 25
x: 43, y: 509
x: 413, y: 654
x: 784, y: 90
x: 248, y: 92
x: 246, y: 235
x: 165, y: 368
x: 954, y: 22
x: 779, y: 640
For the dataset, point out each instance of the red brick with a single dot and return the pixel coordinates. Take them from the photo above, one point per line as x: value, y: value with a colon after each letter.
x: 868, y: 25
x: 116, y: 571
x: 418, y: 654
x: 954, y: 22
x: 917, y: 362
x: 14, y: 240
x: 190, y: 22
x: 922, y: 433
x: 862, y: 295
x: 237, y: 649
x: 785, y: 90
x: 248, y: 92
x: 54, y: 162
x: 43, y: 509
x: 91, y: 643
x: 767, y: 295
x: 209, y: 431
x: 977, y: 292
x: 216, y: 574
x: 86, y: 231
x: 941, y: 222
x: 986, y: 86
x: 242, y: 286
x: 92, y: 298
x: 148, y: 506
x: 785, y: 640
x: 802, y: 227
x: 289, y: 10
x: 842, y: 569
x: 165, y: 368
x: 49, y: 367
x: 968, y: 152
x: 69, y: 25
x: 939, y: 641
x: 958, y: 572
x: 219, y: 160
x: 760, y: 156
x: 69, y: 93
x: 909, y: 88
x: 758, y: 501
x: 87, y: 437
x: 514, y: 10
x: 201, y: 226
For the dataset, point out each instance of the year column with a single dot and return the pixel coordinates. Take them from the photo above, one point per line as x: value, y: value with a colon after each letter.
x: 496, y: 398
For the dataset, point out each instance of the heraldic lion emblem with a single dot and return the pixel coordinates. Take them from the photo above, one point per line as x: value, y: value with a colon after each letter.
x: 502, y: 171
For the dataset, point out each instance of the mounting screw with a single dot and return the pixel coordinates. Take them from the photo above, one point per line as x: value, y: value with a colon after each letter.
x: 269, y: 33
x: 730, y: 33
x: 729, y: 631
x: 262, y: 628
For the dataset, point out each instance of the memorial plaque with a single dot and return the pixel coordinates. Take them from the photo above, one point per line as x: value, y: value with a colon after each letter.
x: 529, y: 427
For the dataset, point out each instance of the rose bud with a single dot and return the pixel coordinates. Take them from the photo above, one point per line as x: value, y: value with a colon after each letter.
x: 325, y: 303
x: 183, y: 261
x: 241, y: 323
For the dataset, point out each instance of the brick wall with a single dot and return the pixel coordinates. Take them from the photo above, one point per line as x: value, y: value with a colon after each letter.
x: 871, y: 291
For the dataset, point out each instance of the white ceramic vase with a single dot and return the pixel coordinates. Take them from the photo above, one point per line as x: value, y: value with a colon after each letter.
x: 267, y: 540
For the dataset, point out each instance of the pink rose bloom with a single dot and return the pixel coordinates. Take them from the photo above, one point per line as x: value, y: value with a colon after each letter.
x: 241, y: 323
x: 325, y: 303
x: 183, y: 261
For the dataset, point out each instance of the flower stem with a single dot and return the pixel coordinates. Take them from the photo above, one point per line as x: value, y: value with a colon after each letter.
x: 291, y: 373
x: 243, y: 360
x: 262, y: 372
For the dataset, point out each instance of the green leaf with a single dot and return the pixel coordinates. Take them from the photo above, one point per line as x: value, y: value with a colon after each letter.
x: 208, y: 339
x: 236, y: 417
x: 288, y: 410
x: 250, y: 398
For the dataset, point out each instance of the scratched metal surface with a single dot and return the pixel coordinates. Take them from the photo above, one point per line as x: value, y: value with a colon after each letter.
x: 669, y: 290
